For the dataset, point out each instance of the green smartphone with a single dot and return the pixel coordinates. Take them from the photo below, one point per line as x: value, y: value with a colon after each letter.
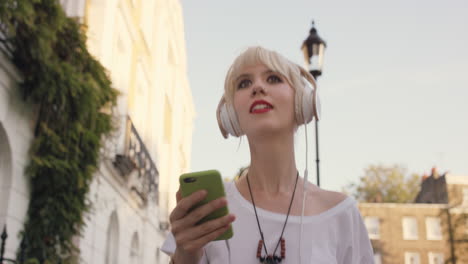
x: 211, y: 182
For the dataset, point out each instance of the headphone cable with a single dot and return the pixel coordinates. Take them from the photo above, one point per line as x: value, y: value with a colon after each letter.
x: 304, y: 191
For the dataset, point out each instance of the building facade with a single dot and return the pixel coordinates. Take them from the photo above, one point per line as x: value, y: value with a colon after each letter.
x: 141, y: 43
x: 16, y: 134
x: 421, y: 233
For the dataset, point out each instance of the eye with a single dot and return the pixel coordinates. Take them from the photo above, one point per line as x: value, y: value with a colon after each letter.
x: 244, y: 83
x: 274, y: 79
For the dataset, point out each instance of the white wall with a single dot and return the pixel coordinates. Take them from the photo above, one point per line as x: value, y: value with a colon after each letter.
x: 153, y: 48
x: 172, y: 85
x: 109, y: 196
x: 15, y: 139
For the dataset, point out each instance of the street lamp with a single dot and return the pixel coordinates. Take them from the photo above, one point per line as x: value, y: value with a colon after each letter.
x: 313, y: 49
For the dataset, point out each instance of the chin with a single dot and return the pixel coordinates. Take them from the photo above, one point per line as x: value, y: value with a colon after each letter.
x: 267, y: 129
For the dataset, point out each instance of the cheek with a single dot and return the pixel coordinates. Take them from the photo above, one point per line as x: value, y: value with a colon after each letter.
x: 239, y: 105
x: 287, y: 101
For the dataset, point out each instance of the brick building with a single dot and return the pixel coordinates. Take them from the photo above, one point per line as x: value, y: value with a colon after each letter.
x: 433, y: 232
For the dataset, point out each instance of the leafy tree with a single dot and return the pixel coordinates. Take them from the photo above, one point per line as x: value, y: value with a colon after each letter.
x: 237, y: 175
x: 386, y: 185
x: 454, y: 224
x: 69, y: 91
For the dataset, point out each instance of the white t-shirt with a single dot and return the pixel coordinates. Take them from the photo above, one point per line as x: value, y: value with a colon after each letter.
x: 336, y: 236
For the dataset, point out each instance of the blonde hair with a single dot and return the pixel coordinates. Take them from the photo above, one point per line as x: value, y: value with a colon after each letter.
x: 293, y: 73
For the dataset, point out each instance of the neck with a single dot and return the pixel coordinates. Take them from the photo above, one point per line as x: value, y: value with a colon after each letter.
x: 272, y: 165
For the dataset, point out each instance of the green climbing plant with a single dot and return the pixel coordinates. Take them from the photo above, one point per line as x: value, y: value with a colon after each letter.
x: 68, y: 88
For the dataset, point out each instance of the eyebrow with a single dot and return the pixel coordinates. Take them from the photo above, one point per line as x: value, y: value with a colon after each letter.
x: 244, y: 75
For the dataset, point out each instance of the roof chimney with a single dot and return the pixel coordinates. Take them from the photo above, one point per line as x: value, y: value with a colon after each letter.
x: 434, y: 173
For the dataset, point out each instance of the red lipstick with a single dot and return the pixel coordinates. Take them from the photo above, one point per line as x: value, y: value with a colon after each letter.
x: 260, y: 106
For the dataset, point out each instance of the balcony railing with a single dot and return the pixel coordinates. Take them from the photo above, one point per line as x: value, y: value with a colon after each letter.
x: 137, y: 167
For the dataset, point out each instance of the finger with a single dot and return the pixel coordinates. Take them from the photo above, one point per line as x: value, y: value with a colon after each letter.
x: 193, y: 217
x: 206, y: 228
x: 196, y: 215
x: 202, y: 241
x: 185, y: 204
x: 178, y: 196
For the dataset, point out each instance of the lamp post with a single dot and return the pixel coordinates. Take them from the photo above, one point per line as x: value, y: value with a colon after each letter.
x: 313, y: 49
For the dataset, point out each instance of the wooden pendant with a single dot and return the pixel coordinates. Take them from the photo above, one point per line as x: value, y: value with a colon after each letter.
x: 271, y: 259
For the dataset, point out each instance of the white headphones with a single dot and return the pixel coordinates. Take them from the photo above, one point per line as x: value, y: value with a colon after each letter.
x: 306, y: 107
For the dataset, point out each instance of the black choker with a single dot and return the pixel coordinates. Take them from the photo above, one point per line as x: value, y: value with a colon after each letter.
x: 271, y: 259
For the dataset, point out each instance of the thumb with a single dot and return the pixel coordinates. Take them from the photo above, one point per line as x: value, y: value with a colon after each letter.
x: 178, y: 196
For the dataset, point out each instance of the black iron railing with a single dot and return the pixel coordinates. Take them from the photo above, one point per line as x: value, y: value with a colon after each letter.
x: 137, y: 167
x: 4, y: 237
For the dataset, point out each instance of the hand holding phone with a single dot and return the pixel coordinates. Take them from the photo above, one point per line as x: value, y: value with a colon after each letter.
x: 211, y: 182
x: 197, y: 220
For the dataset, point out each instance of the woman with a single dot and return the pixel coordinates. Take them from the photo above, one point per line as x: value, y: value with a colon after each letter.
x: 266, y: 98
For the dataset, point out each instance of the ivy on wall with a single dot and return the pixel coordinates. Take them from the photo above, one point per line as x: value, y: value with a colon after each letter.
x: 69, y: 89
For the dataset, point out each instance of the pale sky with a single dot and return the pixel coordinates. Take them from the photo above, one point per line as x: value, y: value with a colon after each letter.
x: 394, y: 87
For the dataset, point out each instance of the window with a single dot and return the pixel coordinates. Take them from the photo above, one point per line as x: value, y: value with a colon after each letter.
x: 410, y: 228
x: 466, y: 226
x: 141, y: 104
x: 436, y: 258
x: 120, y: 60
x: 158, y: 255
x: 147, y: 21
x: 373, y: 227
x: 412, y: 258
x: 135, y: 250
x: 377, y: 258
x: 465, y: 197
x: 433, y: 228
x: 121, y: 54
x: 112, y: 244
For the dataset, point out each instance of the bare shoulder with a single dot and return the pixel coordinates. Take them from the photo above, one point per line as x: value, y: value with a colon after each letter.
x: 320, y: 200
x: 332, y: 197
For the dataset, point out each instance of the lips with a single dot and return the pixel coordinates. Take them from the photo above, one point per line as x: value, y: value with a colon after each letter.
x: 260, y: 106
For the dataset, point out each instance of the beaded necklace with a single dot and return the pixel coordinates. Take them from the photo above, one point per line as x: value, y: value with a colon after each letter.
x: 271, y: 259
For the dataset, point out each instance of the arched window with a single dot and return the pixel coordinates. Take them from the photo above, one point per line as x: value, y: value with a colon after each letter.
x: 112, y: 243
x: 135, y: 250
x: 158, y: 255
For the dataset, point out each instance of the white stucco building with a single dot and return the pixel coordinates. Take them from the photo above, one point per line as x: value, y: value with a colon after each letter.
x: 141, y: 43
x: 16, y: 134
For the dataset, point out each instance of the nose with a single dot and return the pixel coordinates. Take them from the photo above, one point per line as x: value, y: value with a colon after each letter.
x: 258, y: 88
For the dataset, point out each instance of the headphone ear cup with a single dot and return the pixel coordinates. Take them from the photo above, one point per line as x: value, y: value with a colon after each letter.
x: 227, y: 119
x: 221, y: 116
x: 233, y: 120
x: 308, y: 104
